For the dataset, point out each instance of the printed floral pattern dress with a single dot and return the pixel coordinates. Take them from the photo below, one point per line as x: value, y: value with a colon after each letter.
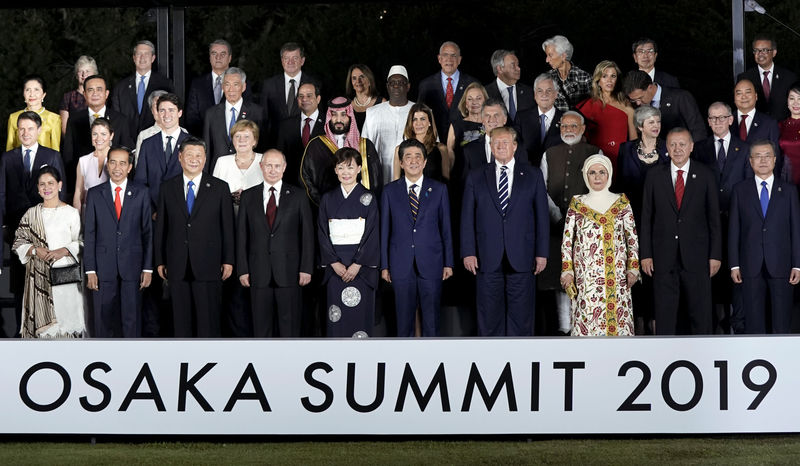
x: 600, y: 249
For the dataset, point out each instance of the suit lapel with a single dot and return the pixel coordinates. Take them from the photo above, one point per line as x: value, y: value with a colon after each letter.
x: 755, y: 199
x: 519, y: 173
x: 132, y: 87
x: 489, y: 176
x: 108, y: 199
x: 669, y: 188
x: 285, y: 199
x: 690, y: 185
x: 203, y: 190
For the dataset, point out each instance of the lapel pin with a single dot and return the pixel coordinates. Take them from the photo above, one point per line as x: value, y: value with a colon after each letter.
x: 736, y: 149
x: 779, y: 189
x: 669, y: 104
x: 130, y: 193
x: 430, y: 189
x: 755, y: 124
x: 287, y: 191
x: 694, y: 176
x: 208, y: 185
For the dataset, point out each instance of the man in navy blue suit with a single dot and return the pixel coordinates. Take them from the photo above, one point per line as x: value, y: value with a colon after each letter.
x: 750, y: 124
x: 764, y: 242
x: 505, y: 238
x: 19, y: 192
x: 416, y: 241
x: 118, y: 253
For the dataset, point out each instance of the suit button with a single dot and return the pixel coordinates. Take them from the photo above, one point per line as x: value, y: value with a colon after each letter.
x: 566, y: 187
x: 679, y: 220
x: 414, y: 230
x: 189, y: 225
x: 764, y: 229
x: 119, y: 233
x: 720, y: 190
x: 186, y: 242
x: 413, y: 246
x: 271, y: 235
x: 676, y: 236
x: 567, y: 164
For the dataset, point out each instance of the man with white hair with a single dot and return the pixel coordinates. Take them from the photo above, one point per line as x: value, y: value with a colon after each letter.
x: 575, y: 84
x: 539, y: 127
x: 517, y: 97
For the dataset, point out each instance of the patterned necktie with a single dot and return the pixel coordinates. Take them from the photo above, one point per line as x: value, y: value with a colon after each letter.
x: 291, y: 97
x: 512, y: 107
x: 542, y: 126
x: 721, y: 154
x: 168, y: 150
x: 217, y: 89
x: 503, y: 189
x: 765, y: 85
x: 448, y: 96
x: 140, y: 94
x: 190, y: 197
x: 743, y: 128
x: 26, y: 160
x: 233, y: 121
x: 764, y: 198
x: 413, y: 200
x: 306, y: 131
x: 118, y: 202
x: 679, y: 188
x: 272, y: 207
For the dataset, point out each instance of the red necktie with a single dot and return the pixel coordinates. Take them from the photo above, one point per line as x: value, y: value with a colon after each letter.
x: 272, y: 207
x: 117, y: 202
x: 679, y: 188
x: 449, y: 95
x: 765, y: 85
x: 743, y: 128
x: 306, y: 131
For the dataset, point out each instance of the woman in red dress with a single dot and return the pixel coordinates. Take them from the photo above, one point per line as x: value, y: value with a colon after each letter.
x: 790, y: 136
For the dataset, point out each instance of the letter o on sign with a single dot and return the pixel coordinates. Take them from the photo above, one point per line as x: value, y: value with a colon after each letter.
x: 23, y: 386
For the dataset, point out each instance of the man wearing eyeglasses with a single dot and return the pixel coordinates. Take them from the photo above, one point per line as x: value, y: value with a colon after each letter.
x: 645, y: 52
x: 771, y: 81
x: 538, y: 127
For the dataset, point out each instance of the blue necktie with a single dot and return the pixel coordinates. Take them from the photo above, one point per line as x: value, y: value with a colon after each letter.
x: 233, y: 121
x: 217, y: 89
x: 512, y: 107
x: 26, y: 160
x: 190, y: 197
x: 503, y: 190
x: 542, y: 126
x: 764, y: 198
x: 140, y: 94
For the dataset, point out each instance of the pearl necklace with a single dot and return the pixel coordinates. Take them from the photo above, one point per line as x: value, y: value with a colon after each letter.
x: 359, y: 104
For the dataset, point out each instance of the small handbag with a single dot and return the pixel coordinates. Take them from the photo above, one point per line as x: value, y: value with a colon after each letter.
x: 65, y: 275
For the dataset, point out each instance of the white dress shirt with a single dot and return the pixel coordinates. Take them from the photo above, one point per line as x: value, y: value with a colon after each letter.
x: 674, y: 172
x: 228, y: 106
x: 277, y: 187
x: 197, y: 179
x: 287, y: 84
x: 509, y: 173
x: 749, y: 121
x: 311, y: 123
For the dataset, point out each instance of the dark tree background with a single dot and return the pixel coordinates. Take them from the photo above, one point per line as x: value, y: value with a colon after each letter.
x: 694, y: 38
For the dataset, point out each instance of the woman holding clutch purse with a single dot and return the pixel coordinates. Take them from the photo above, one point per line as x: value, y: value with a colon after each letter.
x: 47, y: 242
x: 600, y: 255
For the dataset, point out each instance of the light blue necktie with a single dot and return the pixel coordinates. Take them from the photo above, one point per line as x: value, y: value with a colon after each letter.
x: 503, y: 191
x: 217, y: 89
x: 26, y: 160
x: 542, y: 126
x: 764, y: 198
x: 512, y: 107
x: 233, y: 120
x: 190, y: 197
x: 140, y: 94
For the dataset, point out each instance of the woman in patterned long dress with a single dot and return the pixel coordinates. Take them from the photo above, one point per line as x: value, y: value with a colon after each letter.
x: 600, y: 255
x: 349, y: 250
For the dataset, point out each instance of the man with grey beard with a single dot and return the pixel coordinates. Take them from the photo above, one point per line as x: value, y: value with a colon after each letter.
x: 561, y: 167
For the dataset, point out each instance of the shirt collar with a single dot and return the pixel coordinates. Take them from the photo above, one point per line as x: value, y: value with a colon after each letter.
x: 237, y: 106
x: 287, y: 78
x: 146, y: 75
x: 673, y: 169
x: 277, y: 187
x: 101, y: 112
x: 455, y: 77
x: 771, y: 70
x: 124, y: 185
x: 510, y: 163
x: 418, y: 182
x: 33, y: 148
x: 196, y: 180
x: 175, y: 134
x: 657, y: 95
x: 770, y: 179
x: 313, y: 116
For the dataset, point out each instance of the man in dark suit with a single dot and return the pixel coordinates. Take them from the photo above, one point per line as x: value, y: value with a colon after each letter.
x: 771, y: 81
x: 220, y: 118
x: 416, y: 242
x: 515, y: 95
x: 279, y: 93
x: 78, y: 139
x: 645, y: 52
x: 680, y: 241
x: 538, y: 127
x: 478, y: 153
x: 751, y: 124
x: 129, y: 96
x: 206, y: 90
x: 118, y: 252
x: 19, y: 191
x: 764, y: 248
x: 275, y: 239
x: 297, y: 131
x: 443, y: 91
x: 194, y: 243
x: 678, y: 107
x: 504, y: 238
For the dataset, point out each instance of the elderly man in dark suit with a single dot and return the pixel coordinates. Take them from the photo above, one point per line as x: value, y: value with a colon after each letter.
x: 118, y: 252
x: 443, y: 90
x: 194, y: 243
x: 297, y: 131
x: 19, y: 191
x: 515, y: 96
x: 129, y: 96
x: 764, y: 247
x: 645, y: 52
x: 680, y: 240
x: 504, y: 238
x: 772, y: 82
x: 678, y: 107
x: 220, y: 118
x: 538, y: 127
x: 750, y: 124
x: 275, y: 250
x: 205, y: 90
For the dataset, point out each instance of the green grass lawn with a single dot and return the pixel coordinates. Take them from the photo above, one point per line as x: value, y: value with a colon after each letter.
x: 696, y: 450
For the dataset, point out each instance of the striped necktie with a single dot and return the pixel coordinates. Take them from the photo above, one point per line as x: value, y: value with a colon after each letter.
x: 503, y: 189
x: 413, y: 200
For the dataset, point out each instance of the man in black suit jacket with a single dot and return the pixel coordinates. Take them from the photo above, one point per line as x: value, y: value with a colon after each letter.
x: 130, y: 94
x: 19, y: 191
x: 529, y: 123
x: 297, y: 131
x: 194, y: 243
x: 78, y: 138
x: 505, y: 66
x: 645, y: 52
x: 750, y: 124
x: 772, y: 97
x: 279, y: 93
x: 275, y: 249
x: 681, y: 243
x: 478, y: 153
x: 217, y: 124
x: 434, y: 90
x: 206, y: 90
x: 678, y: 107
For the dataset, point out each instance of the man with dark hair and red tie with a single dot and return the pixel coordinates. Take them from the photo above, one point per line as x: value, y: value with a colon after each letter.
x: 680, y: 240
x: 751, y: 124
x: 772, y: 82
x: 297, y: 131
x: 275, y: 249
